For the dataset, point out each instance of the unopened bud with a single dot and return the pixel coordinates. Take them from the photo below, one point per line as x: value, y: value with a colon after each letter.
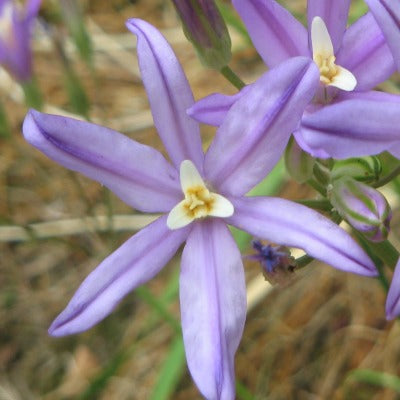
x: 362, y: 206
x: 365, y: 169
x: 299, y: 164
x: 205, y: 28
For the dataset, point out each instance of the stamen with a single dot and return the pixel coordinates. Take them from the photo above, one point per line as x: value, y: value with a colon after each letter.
x: 331, y: 74
x: 199, y: 202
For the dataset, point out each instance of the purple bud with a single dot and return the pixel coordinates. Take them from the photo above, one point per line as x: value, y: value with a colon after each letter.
x: 363, y: 207
x: 206, y: 30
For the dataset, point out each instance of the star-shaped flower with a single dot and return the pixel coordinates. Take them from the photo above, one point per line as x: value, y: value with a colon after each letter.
x: 200, y: 195
x: 15, y: 31
x: 346, y: 118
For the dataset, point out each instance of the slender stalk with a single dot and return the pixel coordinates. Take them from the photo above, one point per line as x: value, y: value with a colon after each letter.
x: 323, y: 205
x: 388, y: 178
x: 317, y: 186
x: 232, y: 77
x: 33, y: 96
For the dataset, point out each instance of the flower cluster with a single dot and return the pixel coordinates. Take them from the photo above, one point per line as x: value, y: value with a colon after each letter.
x: 320, y: 88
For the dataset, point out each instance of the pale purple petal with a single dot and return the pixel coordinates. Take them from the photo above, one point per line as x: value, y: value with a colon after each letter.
x: 334, y: 13
x: 255, y: 132
x: 139, y: 259
x: 32, y: 8
x: 138, y: 174
x: 359, y: 125
x: 393, y: 297
x: 275, y: 33
x: 212, y: 110
x: 387, y: 14
x: 365, y: 53
x: 287, y: 223
x: 169, y: 94
x: 213, y: 307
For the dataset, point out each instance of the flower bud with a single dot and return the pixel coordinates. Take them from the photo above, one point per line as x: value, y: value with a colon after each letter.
x: 363, y: 207
x: 205, y: 28
x: 299, y: 164
x: 365, y: 169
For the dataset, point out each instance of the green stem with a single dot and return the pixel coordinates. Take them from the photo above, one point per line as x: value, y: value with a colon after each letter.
x: 386, y: 252
x: 232, y: 77
x: 323, y: 205
x: 388, y: 178
x: 33, y: 97
x: 5, y: 131
x: 317, y: 186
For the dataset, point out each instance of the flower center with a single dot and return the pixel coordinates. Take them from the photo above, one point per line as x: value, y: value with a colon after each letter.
x: 327, y: 68
x: 199, y: 202
x: 331, y: 74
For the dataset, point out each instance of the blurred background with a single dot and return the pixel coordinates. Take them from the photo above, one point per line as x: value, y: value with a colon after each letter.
x: 321, y: 335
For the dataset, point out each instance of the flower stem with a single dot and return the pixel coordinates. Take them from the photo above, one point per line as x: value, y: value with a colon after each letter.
x: 388, y: 178
x: 323, y: 205
x: 317, y: 186
x: 5, y: 131
x: 232, y: 77
x: 33, y: 97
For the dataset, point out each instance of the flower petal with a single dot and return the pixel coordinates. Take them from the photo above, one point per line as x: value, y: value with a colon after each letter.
x: 213, y: 307
x: 393, y: 297
x: 275, y: 33
x: 255, y: 132
x: 136, y: 173
x: 365, y: 53
x: 361, y: 124
x: 189, y: 176
x: 134, y: 263
x: 320, y: 39
x: 169, y: 94
x: 221, y: 207
x: 290, y: 224
x: 212, y: 110
x: 334, y: 13
x: 178, y: 217
x: 387, y: 14
x: 344, y: 80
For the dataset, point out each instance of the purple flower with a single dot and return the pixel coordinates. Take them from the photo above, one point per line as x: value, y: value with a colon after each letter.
x: 15, y: 31
x: 387, y: 14
x: 200, y: 194
x: 345, y: 118
x: 393, y: 297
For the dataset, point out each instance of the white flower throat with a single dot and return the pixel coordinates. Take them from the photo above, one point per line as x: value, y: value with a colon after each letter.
x: 331, y: 74
x: 199, y: 201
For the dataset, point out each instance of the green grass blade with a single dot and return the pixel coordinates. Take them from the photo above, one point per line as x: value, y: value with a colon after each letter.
x: 171, y: 371
x: 376, y: 378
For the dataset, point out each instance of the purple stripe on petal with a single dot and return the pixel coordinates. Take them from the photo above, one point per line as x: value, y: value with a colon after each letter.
x: 287, y: 223
x: 393, y: 297
x: 169, y: 94
x: 275, y: 33
x: 254, y: 134
x: 361, y: 124
x: 365, y: 53
x: 387, y: 14
x: 334, y: 13
x: 138, y: 174
x: 133, y: 264
x: 213, y: 307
